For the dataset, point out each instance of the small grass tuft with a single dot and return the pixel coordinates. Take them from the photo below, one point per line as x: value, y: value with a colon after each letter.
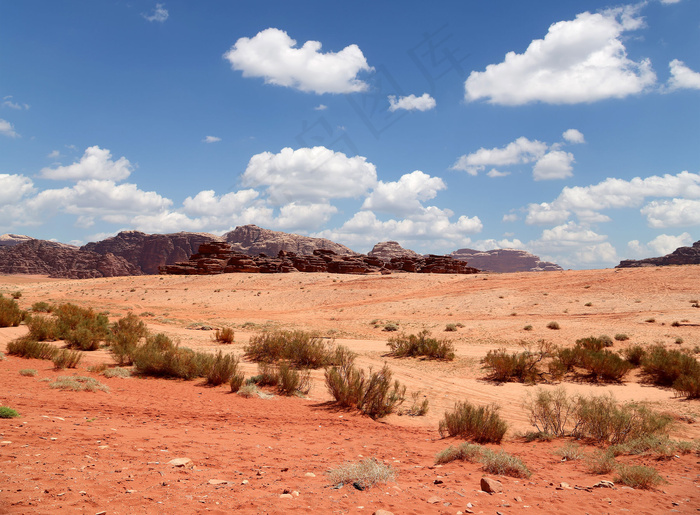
x: 638, y: 476
x: 78, y: 384
x: 553, y: 325
x: 364, y: 474
x: 28, y: 372
x: 6, y: 412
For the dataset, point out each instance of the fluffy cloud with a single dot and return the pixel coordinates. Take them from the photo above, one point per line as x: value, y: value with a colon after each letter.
x: 570, y: 234
x: 495, y: 173
x: 553, y: 165
x: 545, y: 214
x: 682, y: 77
x: 296, y: 216
x: 6, y: 129
x: 405, y: 195
x: 160, y: 14
x: 412, y: 103
x: 96, y: 163
x: 581, y: 60
x: 14, y: 187
x: 573, y: 136
x: 207, y: 203
x: 309, y: 175
x: 7, y: 102
x: 672, y: 213
x: 491, y: 244
x: 211, y: 139
x: 271, y: 54
x: 660, y: 246
x: 521, y: 150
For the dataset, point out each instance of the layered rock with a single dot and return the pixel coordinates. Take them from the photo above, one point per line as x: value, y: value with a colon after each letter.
x: 680, y: 256
x: 254, y: 240
x: 42, y: 257
x: 220, y: 258
x: 148, y: 252
x: 388, y: 250
x: 10, y: 240
x: 505, y: 260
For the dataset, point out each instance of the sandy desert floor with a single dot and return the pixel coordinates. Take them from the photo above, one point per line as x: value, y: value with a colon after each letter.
x: 109, y: 452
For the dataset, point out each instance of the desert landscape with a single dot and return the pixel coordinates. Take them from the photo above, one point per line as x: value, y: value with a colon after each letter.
x: 111, y: 451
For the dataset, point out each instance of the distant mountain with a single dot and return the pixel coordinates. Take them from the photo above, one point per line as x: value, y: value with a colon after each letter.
x: 254, y: 240
x: 388, y: 250
x: 43, y: 257
x: 504, y: 260
x: 680, y: 256
x: 149, y: 251
x: 10, y: 240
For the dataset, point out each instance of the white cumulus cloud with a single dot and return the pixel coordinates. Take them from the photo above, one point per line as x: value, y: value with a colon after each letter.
x: 96, y: 163
x: 14, y: 187
x: 556, y: 164
x: 211, y: 139
x: 412, y: 103
x: 159, y: 14
x: 6, y: 129
x: 580, y: 60
x: 309, y: 175
x: 271, y: 54
x: 521, y: 150
x: 672, y: 213
x: 573, y: 136
x: 682, y: 77
x: 660, y: 246
x: 404, y: 196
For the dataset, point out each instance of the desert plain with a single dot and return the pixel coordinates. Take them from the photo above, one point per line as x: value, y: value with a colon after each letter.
x: 109, y: 452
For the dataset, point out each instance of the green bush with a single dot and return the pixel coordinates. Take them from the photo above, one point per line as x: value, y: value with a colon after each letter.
x: 451, y: 327
x: 523, y: 366
x: 469, y: 452
x: 421, y: 345
x: 418, y: 408
x: 673, y: 368
x: 42, y: 328
x: 66, y: 358
x: 6, y: 412
x: 588, y: 354
x: 600, y: 462
x: 10, y: 313
x: 550, y: 411
x: 81, y: 328
x: 236, y: 382
x: 481, y: 424
x: 621, y: 337
x: 78, y: 384
x: 595, y: 344
x: 638, y: 476
x: 292, y: 381
x: 299, y: 348
x: 116, y: 372
x: 159, y: 357
x: 224, y: 335
x: 223, y: 368
x: 26, y: 347
x: 634, y: 355
x: 124, y: 336
x: 658, y: 445
x: 500, y: 463
x: 28, y: 372
x: 553, y: 325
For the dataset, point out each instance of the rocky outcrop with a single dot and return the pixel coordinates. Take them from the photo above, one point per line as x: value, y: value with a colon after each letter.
x: 10, y: 240
x: 221, y: 258
x: 388, y: 250
x: 254, y: 240
x: 148, y: 252
x: 505, y: 260
x: 42, y: 257
x: 680, y: 256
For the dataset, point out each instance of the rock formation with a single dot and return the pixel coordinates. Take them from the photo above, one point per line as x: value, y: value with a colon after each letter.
x: 43, y: 257
x: 505, y: 260
x: 254, y: 240
x: 387, y: 250
x: 219, y: 258
x: 147, y: 252
x: 680, y: 256
x: 10, y: 240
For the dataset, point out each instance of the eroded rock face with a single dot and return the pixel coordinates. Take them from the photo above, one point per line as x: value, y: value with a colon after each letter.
x: 254, y: 240
x: 147, y: 252
x: 42, y: 257
x: 680, y: 256
x: 388, y: 250
x: 10, y: 240
x: 505, y: 260
x: 220, y: 258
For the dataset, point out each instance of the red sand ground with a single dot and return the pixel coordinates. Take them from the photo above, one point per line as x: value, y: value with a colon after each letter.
x: 109, y: 452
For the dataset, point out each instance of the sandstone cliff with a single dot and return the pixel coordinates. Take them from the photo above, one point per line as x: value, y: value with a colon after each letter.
x: 10, y: 240
x: 680, y: 256
x: 387, y: 250
x: 504, y: 260
x: 147, y: 252
x: 254, y: 240
x: 60, y: 260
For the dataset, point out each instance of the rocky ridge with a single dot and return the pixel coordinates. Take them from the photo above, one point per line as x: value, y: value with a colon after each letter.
x: 680, y: 256
x: 41, y: 257
x: 10, y: 240
x: 505, y: 260
x: 253, y: 240
x: 388, y: 250
x: 220, y: 258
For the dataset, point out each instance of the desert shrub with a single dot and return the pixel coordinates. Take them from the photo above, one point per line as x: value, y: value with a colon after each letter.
x: 246, y: 390
x: 236, y: 381
x: 570, y: 452
x: 224, y: 335
x: 595, y: 344
x: 391, y: 327
x: 634, y: 355
x: 116, y: 372
x: 688, y: 385
x: 124, y: 336
x: 159, y: 357
x: 16, y: 295
x: 364, y: 474
x: 528, y: 327
x: 421, y: 345
x: 10, y: 313
x: 223, y: 368
x: 374, y: 394
x: 28, y: 372
x: 418, y: 408
x: 25, y: 347
x: 42, y: 307
x: 78, y: 384
x: 6, y: 412
x: 518, y: 366
x: 81, y: 328
x: 500, y: 463
x: 451, y: 327
x: 638, y: 476
x: 469, y: 452
x: 621, y: 337
x: 600, y: 462
x: 604, y: 420
x: 481, y: 424
x: 673, y: 368
x: 553, y: 325
x: 2, y: 356
x: 658, y: 445
x: 66, y: 358
x: 267, y: 375
x: 42, y: 328
x: 550, y: 411
x: 299, y: 348
x: 98, y: 369
x: 292, y: 381
x: 588, y: 354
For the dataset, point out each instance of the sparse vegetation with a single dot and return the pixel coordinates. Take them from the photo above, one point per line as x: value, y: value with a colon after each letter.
x: 391, y: 327
x: 25, y: 347
x: 222, y: 370
x: 634, y: 355
x: 364, y: 474
x: 550, y: 411
x: 600, y: 462
x: 673, y: 368
x: 638, y: 476
x: 421, y: 345
x: 6, y: 412
x: 160, y: 357
x: 480, y: 424
x: 553, y: 325
x: 10, y: 313
x: 450, y: 327
x: 570, y: 452
x: 523, y: 366
x: 621, y: 337
x: 124, y: 337
x: 67, y: 358
x: 28, y: 372
x: 299, y: 348
x: 78, y: 384
x: 224, y: 335
x: 589, y: 354
x: 116, y: 372
x: 418, y: 408
x: 42, y: 307
x: 500, y: 463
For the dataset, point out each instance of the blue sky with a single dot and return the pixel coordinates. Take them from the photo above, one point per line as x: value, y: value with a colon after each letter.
x: 569, y: 129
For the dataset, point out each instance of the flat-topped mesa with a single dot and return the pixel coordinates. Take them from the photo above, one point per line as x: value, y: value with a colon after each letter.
x: 218, y: 257
x: 680, y: 256
x: 505, y: 260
